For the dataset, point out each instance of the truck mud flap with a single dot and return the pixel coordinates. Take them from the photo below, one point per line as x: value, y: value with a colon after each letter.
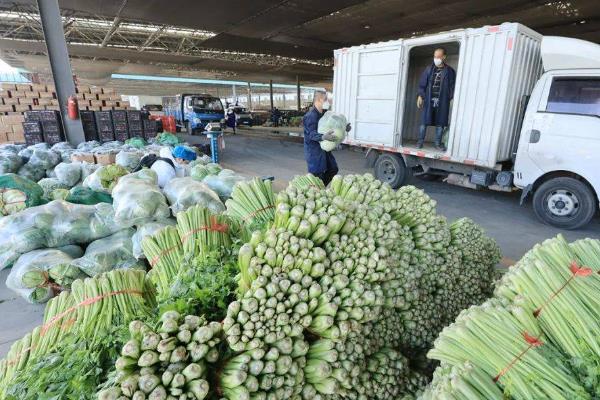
x: 524, y: 193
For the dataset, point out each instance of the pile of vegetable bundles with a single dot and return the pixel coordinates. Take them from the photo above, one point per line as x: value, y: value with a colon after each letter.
x: 38, y: 275
x: 137, y: 198
x: 332, y: 122
x: 18, y: 193
x: 185, y: 192
x: 535, y: 339
x: 51, y: 225
x: 105, y: 178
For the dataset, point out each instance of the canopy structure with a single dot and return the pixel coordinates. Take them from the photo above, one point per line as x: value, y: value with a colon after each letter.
x: 256, y: 40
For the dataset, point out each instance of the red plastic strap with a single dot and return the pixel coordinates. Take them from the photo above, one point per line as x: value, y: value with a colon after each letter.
x: 576, y: 271
x: 157, y: 257
x: 85, y: 303
x: 214, y: 226
x: 532, y: 342
x: 252, y: 214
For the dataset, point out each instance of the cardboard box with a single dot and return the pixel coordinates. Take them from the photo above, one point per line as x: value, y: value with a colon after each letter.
x: 6, y: 93
x: 96, y: 103
x: 80, y: 97
x: 36, y: 107
x: 16, y: 137
x: 44, y: 102
x: 18, y: 129
x: 8, y: 86
x: 106, y: 158
x: 83, y: 157
x: 109, y: 103
x: 13, y: 119
x: 83, y: 89
x: 3, y: 137
x: 110, y: 91
x: 7, y: 108
x: 90, y: 96
x: 32, y: 95
x: 46, y: 95
x: 103, y: 97
x: 23, y: 87
x: 18, y: 93
x: 38, y: 87
x: 27, y: 101
x: 54, y: 108
x: 124, y: 103
x: 96, y: 90
x: 21, y: 108
x: 10, y: 100
x: 55, y: 102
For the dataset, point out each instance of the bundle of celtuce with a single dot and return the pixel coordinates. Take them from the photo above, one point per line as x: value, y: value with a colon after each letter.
x: 173, y: 361
x: 345, y: 280
x: 91, y: 309
x: 202, y: 231
x: 544, y: 318
x: 164, y: 252
x: 252, y: 203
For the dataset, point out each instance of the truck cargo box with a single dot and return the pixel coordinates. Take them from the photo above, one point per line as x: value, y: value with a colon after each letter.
x: 375, y: 86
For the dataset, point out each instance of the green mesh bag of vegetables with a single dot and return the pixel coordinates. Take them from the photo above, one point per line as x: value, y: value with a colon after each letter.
x: 136, y: 142
x: 84, y: 195
x: 332, y: 122
x: 168, y: 139
x: 18, y: 193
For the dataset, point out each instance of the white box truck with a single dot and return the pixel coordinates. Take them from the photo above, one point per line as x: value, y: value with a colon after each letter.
x: 525, y: 114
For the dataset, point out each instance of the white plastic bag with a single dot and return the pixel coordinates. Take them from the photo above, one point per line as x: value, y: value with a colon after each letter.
x: 185, y: 192
x: 332, y: 122
x: 68, y: 173
x: 55, y: 224
x: 147, y: 229
x: 129, y: 159
x: 137, y: 198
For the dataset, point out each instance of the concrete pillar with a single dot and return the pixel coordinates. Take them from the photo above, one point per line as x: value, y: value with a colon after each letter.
x: 60, y: 65
x: 299, y: 100
x: 234, y: 94
x: 249, y: 105
x: 271, y: 92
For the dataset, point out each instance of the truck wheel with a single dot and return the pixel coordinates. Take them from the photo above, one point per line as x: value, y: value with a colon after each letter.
x: 565, y: 203
x: 390, y: 169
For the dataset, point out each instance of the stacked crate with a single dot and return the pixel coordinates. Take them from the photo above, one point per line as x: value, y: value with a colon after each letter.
x: 104, y: 125
x: 50, y: 122
x: 119, y: 118
x: 134, y: 122
x: 16, y: 99
x: 89, y: 125
x: 150, y: 128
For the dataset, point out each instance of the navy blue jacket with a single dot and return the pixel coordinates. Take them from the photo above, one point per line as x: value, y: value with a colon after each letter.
x: 318, y: 160
x: 440, y: 117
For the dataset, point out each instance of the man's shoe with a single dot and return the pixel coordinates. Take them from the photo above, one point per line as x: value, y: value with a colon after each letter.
x: 440, y: 147
x: 419, y: 145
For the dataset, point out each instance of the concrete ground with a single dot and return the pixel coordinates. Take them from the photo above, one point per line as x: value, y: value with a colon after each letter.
x: 515, y: 228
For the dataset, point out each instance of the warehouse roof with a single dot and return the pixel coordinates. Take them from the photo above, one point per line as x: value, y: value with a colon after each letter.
x: 276, y: 39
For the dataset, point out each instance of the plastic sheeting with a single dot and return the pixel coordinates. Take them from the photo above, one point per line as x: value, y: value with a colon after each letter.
x: 183, y: 193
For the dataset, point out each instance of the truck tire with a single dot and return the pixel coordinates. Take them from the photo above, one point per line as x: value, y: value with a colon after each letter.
x: 390, y: 169
x: 565, y: 202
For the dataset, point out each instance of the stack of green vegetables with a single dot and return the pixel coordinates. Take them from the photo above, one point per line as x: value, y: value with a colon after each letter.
x: 536, y: 338
x: 83, y: 321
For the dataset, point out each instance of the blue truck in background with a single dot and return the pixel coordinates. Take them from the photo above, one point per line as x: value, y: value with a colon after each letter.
x: 194, y: 111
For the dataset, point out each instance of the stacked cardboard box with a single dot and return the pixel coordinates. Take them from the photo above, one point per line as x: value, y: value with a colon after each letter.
x: 16, y: 99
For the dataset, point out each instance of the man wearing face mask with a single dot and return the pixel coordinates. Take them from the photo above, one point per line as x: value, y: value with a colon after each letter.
x: 321, y: 163
x: 436, y: 90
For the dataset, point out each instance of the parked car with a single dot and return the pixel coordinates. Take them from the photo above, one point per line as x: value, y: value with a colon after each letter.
x: 243, y: 117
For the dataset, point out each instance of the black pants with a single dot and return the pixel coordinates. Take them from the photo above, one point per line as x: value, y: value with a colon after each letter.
x: 327, y: 176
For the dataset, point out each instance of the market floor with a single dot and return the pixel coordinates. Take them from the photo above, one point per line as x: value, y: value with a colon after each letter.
x: 515, y: 228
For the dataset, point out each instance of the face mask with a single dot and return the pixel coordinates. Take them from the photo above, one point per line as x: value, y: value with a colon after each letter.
x: 326, y: 105
x: 438, y: 62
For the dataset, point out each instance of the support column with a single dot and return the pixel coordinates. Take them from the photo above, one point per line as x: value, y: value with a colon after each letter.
x: 271, y: 92
x: 60, y: 65
x: 299, y: 100
x: 234, y: 94
x: 249, y: 105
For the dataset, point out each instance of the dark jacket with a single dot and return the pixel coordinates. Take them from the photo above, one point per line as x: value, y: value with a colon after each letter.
x: 440, y: 116
x: 231, y: 120
x: 318, y: 160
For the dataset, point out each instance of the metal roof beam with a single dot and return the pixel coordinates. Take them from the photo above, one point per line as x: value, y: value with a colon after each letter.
x: 115, y: 25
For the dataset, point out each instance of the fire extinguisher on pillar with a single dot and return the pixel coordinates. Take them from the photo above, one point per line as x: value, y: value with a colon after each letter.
x: 72, y: 108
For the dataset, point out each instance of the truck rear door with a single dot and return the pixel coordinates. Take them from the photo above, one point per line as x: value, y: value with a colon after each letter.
x: 370, y: 77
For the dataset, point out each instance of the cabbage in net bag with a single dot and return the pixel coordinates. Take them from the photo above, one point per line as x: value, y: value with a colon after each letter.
x: 183, y: 193
x: 137, y: 198
x: 332, y: 122
x: 55, y: 224
x: 49, y: 185
x: 9, y: 162
x: 129, y: 159
x: 18, y: 193
x: 223, y: 184
x: 109, y: 253
x: 39, y: 275
x: 105, y: 178
x: 148, y: 229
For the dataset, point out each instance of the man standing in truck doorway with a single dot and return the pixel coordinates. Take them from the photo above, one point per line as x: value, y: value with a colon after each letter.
x: 436, y: 90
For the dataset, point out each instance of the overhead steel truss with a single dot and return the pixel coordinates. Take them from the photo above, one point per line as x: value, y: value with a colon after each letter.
x: 22, y: 22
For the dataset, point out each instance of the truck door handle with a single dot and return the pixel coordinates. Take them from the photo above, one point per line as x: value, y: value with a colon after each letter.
x: 534, y: 136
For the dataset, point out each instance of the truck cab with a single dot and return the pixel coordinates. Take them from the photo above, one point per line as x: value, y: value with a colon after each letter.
x: 193, y: 111
x: 557, y: 158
